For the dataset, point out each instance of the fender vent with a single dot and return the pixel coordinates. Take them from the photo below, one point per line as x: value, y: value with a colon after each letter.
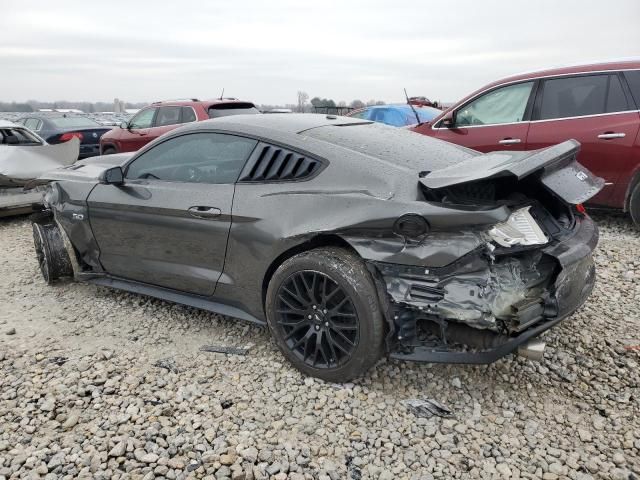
x: 269, y: 163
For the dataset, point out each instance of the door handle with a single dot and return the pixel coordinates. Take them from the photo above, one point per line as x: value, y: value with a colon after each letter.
x: 610, y: 135
x: 204, y: 212
x: 509, y: 141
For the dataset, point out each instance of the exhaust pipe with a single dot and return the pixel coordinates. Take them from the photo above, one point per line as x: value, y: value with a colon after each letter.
x: 532, y: 349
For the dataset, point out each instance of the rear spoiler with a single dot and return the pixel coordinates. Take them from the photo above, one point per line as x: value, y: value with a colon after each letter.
x: 557, y: 166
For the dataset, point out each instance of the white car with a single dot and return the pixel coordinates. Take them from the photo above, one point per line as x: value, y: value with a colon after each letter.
x: 25, y: 156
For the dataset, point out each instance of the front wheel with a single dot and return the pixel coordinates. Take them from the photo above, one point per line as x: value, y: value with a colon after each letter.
x: 53, y: 259
x: 634, y: 205
x: 323, y: 311
x: 109, y: 151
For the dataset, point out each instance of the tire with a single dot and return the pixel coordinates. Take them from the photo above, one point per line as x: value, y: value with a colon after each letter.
x: 52, y: 255
x: 108, y: 151
x: 344, y: 336
x: 634, y: 205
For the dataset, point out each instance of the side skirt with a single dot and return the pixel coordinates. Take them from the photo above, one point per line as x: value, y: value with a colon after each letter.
x: 174, y: 296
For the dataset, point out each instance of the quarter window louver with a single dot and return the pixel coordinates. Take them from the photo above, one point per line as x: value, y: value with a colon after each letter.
x: 270, y: 163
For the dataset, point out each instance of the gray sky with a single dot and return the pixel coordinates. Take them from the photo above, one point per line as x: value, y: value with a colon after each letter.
x: 266, y: 51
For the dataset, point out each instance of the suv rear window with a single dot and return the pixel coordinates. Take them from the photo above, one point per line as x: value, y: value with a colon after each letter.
x: 580, y: 96
x: 226, y: 109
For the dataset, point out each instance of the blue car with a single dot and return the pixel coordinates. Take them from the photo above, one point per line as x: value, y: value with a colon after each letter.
x: 396, y: 115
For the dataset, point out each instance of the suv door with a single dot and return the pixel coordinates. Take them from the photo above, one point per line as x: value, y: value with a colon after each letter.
x: 168, y: 224
x: 595, y: 110
x: 496, y: 120
x: 137, y: 133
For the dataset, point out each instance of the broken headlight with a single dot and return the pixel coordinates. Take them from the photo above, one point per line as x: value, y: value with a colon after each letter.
x: 519, y: 229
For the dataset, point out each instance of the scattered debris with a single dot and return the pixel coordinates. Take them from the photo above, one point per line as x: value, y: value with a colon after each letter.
x: 224, y: 349
x: 427, y: 408
x: 58, y: 360
x: 226, y: 404
x: 168, y: 364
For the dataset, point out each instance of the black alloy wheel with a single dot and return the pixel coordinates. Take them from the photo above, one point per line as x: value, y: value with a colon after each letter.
x: 319, y: 319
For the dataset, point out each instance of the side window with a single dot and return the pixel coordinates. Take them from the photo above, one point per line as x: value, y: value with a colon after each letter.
x: 167, y: 116
x: 188, y: 115
x: 143, y: 119
x: 195, y: 157
x: 503, y: 105
x: 31, y: 123
x: 580, y: 96
x: 633, y: 79
x: 616, y: 100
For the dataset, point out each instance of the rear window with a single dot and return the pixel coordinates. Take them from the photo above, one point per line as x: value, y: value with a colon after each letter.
x: 73, y: 122
x: 226, y: 109
x: 394, y: 145
x: 633, y: 79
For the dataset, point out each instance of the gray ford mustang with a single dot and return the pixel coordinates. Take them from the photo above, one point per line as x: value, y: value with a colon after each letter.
x: 349, y: 239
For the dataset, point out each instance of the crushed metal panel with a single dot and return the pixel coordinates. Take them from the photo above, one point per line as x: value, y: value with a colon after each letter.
x: 19, y: 164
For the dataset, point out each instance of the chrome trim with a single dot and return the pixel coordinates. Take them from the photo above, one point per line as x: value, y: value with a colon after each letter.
x: 540, y: 121
x: 607, y: 136
x: 522, y: 80
x: 509, y: 141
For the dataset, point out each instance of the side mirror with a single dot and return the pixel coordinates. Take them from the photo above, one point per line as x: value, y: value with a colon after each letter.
x: 449, y: 119
x: 124, y: 125
x: 112, y: 176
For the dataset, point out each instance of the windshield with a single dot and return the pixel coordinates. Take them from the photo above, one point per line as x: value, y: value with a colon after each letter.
x: 73, y: 122
x: 226, y: 109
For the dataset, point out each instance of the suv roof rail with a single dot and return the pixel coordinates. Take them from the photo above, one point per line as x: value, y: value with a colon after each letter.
x: 176, y: 100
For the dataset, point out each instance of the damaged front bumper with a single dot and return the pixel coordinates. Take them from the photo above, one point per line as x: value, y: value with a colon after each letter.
x: 486, y: 304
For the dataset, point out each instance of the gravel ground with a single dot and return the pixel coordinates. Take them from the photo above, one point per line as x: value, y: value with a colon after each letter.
x: 96, y: 383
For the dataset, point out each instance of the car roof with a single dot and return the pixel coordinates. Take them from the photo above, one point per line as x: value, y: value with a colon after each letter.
x: 288, y: 124
x: 628, y: 64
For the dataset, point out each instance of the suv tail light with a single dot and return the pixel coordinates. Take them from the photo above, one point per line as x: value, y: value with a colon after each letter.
x: 65, y: 137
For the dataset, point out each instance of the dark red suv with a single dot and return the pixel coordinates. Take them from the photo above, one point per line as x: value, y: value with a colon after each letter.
x: 598, y: 105
x: 160, y: 117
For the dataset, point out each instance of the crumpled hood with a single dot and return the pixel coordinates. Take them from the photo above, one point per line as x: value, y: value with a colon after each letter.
x: 87, y: 170
x: 19, y: 164
x: 560, y: 172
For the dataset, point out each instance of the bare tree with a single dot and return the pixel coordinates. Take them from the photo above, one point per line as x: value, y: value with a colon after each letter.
x: 302, y: 100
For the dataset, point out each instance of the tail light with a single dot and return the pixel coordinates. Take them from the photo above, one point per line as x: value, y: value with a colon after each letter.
x: 65, y: 137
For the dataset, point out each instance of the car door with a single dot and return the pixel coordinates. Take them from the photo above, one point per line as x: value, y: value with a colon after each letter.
x: 137, y: 134
x: 495, y: 120
x: 168, y: 223
x: 595, y: 110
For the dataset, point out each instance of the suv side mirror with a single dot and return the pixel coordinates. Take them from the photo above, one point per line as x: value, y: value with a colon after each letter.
x: 112, y: 176
x: 124, y: 125
x: 449, y: 119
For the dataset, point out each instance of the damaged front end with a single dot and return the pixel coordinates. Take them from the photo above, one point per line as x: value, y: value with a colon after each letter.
x: 524, y: 275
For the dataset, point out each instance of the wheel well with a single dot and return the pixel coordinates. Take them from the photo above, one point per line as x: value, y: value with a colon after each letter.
x: 635, y: 180
x: 322, y: 240
x: 108, y: 146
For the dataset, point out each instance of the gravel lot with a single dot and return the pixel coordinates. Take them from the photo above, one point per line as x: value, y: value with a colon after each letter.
x: 82, y: 395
